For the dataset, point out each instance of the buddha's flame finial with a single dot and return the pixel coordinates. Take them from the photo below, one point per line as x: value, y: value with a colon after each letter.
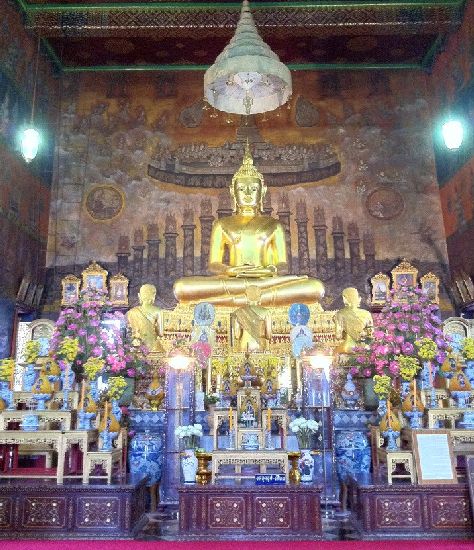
x: 247, y: 169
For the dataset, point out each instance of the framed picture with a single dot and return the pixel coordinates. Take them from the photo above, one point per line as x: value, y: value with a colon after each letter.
x: 21, y: 294
x: 380, y: 288
x: 434, y: 459
x: 70, y: 290
x: 118, y: 290
x: 404, y: 276
x: 430, y: 287
x: 94, y: 277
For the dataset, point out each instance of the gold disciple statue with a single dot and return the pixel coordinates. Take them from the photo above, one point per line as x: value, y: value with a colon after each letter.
x: 257, y: 254
x: 352, y: 322
x: 251, y: 324
x: 146, y: 320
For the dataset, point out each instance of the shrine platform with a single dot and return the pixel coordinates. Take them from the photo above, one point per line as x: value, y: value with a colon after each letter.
x: 251, y: 512
x: 43, y: 509
x: 406, y: 511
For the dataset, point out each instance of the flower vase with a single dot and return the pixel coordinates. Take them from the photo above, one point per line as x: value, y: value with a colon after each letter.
x: 469, y: 371
x: 85, y: 420
x: 94, y: 390
x: 189, y: 464
x: 41, y: 399
x: 405, y: 390
x: 306, y: 465
x: 415, y: 419
x: 107, y: 439
x: 461, y: 398
x: 116, y: 410
x: 391, y: 437
x: 29, y: 377
x: 382, y: 408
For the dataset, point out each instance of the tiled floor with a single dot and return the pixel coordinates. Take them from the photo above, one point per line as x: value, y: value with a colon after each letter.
x: 163, y: 525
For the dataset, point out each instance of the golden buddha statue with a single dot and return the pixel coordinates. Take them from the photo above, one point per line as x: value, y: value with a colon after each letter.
x: 352, y: 322
x: 251, y: 324
x: 146, y: 319
x: 257, y: 253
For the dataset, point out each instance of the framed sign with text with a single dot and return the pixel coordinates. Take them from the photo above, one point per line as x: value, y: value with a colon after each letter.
x: 434, y: 459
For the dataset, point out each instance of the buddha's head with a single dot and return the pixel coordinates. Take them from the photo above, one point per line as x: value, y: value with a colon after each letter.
x: 248, y: 188
x: 147, y: 294
x: 350, y: 297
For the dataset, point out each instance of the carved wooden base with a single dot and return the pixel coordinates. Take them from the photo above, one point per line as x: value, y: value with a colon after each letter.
x: 248, y: 511
x: 411, y: 511
x: 38, y: 509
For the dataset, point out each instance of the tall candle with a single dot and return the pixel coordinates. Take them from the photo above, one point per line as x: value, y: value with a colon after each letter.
x: 431, y: 375
x: 414, y: 394
x: 106, y: 412
x: 269, y: 419
x: 12, y: 378
x: 231, y: 419
x: 83, y: 393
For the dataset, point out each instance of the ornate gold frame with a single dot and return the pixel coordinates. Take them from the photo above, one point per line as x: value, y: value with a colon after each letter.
x: 430, y: 278
x: 94, y: 270
x: 380, y: 278
x: 69, y: 280
x: 404, y: 269
x: 115, y: 282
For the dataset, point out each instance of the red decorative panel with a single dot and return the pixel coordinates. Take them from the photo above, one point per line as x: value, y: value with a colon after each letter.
x: 272, y: 512
x: 226, y: 512
x: 44, y: 512
x: 98, y: 512
x: 449, y: 511
x: 398, y: 511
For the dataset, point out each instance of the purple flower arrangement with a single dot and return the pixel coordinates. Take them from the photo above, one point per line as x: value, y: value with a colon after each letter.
x: 100, y: 333
x: 397, y: 328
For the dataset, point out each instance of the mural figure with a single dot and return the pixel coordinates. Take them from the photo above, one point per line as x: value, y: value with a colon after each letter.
x: 257, y: 253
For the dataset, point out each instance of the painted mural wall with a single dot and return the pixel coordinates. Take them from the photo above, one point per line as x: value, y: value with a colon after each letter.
x: 143, y: 170
x: 24, y: 189
x: 453, y: 82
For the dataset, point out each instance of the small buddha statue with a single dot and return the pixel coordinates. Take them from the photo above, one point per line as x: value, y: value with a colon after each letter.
x: 257, y: 254
x: 251, y: 324
x: 146, y: 319
x: 352, y: 322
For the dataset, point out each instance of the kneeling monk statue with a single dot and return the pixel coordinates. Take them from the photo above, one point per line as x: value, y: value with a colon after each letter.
x: 257, y: 254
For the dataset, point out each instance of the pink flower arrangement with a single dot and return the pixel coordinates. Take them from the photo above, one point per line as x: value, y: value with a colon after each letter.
x: 396, y: 328
x: 100, y: 333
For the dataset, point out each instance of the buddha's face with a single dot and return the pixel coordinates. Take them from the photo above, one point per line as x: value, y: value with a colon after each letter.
x: 351, y: 297
x: 147, y: 294
x: 248, y: 192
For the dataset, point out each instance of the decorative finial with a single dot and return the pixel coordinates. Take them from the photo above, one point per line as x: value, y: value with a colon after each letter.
x: 247, y: 169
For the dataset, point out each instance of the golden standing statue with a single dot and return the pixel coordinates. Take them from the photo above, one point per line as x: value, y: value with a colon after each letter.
x: 257, y: 254
x: 352, y: 322
x: 146, y: 319
x: 251, y: 324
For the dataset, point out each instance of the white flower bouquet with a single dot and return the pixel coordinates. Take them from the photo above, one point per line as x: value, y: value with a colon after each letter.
x: 189, y: 435
x: 303, y: 429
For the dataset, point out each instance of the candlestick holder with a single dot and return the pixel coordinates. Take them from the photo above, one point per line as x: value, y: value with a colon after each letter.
x: 415, y: 419
x: 85, y: 420
x: 433, y: 399
x: 391, y: 437
x: 65, y: 406
x: 268, y: 441
x: 231, y: 446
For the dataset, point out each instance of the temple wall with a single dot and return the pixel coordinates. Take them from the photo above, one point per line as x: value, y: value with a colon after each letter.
x: 348, y: 162
x: 453, y: 83
x: 24, y: 189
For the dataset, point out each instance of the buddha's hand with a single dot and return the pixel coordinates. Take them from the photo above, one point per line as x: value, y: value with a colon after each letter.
x: 252, y: 271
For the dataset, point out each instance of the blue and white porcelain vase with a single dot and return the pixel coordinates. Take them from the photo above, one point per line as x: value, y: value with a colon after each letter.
x: 352, y: 454
x: 145, y: 456
x: 382, y: 408
x: 306, y: 465
x: 469, y: 371
x: 189, y: 464
x: 29, y: 377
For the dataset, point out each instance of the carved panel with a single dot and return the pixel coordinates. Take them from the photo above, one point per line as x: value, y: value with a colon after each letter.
x: 44, y: 512
x: 98, y: 512
x: 398, y: 511
x: 449, y: 511
x: 226, y: 512
x: 6, y: 506
x: 273, y: 512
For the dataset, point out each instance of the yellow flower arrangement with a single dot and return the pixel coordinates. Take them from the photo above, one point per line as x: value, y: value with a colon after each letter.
x: 32, y: 350
x: 408, y: 366
x: 69, y: 348
x: 7, y: 367
x: 427, y: 349
x: 468, y: 348
x: 93, y: 367
x: 382, y: 385
x: 116, y: 387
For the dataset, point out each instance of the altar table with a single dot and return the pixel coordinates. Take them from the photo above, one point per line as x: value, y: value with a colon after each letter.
x: 240, y: 458
x: 249, y: 511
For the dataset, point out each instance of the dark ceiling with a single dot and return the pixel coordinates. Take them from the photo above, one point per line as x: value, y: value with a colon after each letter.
x: 180, y: 35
